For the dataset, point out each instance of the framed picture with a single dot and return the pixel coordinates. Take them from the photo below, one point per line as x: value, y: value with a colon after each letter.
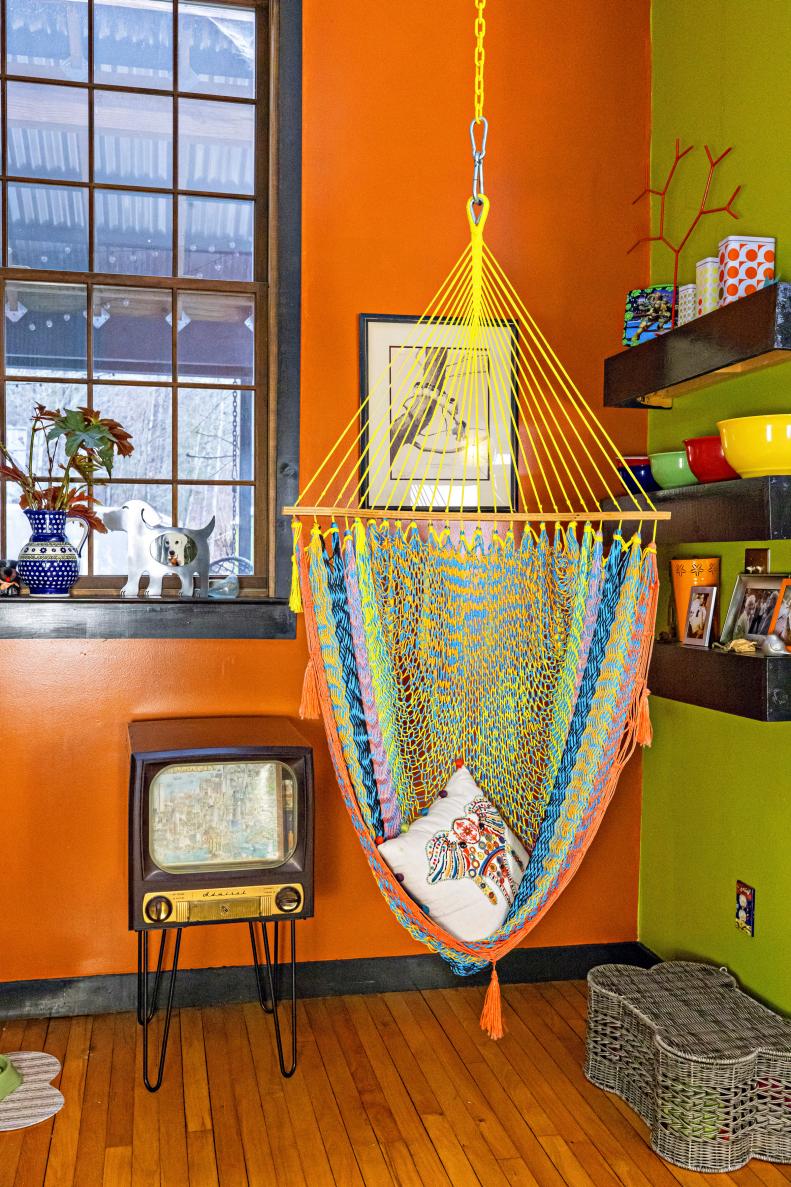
x: 439, y: 425
x: 752, y: 607
x: 649, y: 313
x: 700, y: 616
x: 781, y: 619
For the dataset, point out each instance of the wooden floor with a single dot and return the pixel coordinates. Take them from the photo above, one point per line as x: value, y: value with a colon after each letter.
x: 396, y: 1089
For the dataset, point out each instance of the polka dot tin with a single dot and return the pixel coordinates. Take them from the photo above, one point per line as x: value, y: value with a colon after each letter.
x: 746, y: 264
x: 706, y: 276
x: 687, y: 303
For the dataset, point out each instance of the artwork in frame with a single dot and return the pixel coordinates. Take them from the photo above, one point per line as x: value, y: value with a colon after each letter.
x: 781, y: 619
x: 752, y: 607
x: 700, y: 616
x: 436, y: 431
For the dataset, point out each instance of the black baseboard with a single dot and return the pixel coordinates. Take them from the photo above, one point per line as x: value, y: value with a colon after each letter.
x: 67, y: 997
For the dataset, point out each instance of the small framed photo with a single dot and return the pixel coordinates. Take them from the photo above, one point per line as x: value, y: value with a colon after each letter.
x: 700, y: 616
x: 757, y: 560
x: 781, y: 619
x: 752, y: 607
x: 649, y: 313
x: 438, y: 421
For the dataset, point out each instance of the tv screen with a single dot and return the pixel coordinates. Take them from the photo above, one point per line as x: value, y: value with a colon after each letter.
x: 222, y: 816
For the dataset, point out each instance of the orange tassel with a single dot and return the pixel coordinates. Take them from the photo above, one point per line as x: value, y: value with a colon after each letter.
x: 645, y: 732
x: 492, y: 1012
x: 309, y: 705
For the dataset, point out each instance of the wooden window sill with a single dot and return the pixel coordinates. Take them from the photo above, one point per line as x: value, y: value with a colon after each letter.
x: 111, y: 617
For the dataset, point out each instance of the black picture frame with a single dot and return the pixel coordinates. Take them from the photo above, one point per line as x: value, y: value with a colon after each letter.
x: 365, y: 322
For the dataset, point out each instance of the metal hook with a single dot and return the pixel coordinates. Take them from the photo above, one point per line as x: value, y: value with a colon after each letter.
x: 477, y: 156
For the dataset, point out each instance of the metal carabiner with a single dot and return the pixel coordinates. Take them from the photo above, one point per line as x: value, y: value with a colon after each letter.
x: 477, y: 157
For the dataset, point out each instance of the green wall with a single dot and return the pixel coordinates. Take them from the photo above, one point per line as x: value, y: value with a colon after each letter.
x: 717, y: 788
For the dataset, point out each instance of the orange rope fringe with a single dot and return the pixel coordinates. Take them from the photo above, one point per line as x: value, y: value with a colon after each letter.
x: 492, y: 1012
x: 645, y: 732
x: 310, y: 705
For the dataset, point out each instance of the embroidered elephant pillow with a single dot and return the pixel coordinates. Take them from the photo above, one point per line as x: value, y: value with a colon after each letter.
x: 460, y: 862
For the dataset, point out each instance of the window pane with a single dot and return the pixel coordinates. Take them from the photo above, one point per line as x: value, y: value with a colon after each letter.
x: 21, y: 400
x: 215, y: 434
x: 45, y: 329
x: 110, y: 548
x: 133, y: 139
x: 217, y: 49
x: 215, y: 238
x: 48, y: 40
x: 47, y: 227
x: 145, y: 413
x: 131, y: 333
x: 215, y: 337
x: 133, y: 233
x: 133, y: 43
x: 216, y: 151
x: 232, y: 508
x: 47, y: 131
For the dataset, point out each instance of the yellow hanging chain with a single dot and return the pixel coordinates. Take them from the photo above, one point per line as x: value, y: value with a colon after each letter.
x: 480, y: 57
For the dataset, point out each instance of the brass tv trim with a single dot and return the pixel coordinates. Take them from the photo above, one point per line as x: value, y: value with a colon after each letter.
x: 225, y: 903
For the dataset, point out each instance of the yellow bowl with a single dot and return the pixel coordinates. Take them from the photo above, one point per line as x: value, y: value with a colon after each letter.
x: 757, y: 445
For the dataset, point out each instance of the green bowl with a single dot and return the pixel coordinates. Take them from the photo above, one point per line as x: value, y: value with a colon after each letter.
x: 672, y: 469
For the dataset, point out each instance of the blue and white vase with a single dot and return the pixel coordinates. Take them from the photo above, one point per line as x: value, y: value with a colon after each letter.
x: 49, y: 563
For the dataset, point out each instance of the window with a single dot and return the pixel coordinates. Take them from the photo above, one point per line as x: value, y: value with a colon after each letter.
x: 134, y: 178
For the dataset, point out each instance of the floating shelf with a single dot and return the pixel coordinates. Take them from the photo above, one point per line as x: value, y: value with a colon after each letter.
x: 749, y: 334
x: 745, y: 685
x: 744, y: 509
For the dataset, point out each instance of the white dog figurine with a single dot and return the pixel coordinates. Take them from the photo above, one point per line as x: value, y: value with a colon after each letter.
x: 156, y: 549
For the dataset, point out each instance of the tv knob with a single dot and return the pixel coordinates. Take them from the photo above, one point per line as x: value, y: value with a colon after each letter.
x: 159, y: 909
x: 288, y: 898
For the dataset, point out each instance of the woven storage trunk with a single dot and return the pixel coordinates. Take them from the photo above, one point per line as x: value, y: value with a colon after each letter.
x: 704, y: 1065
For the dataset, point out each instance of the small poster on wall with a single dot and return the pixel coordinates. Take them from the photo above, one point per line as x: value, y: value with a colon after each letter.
x: 745, y: 908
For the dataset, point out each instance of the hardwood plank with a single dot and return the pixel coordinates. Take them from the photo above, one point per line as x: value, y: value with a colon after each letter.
x: 551, y: 993
x: 430, y: 1048
x: 271, y: 1092
x: 66, y: 1131
x: 120, y: 1114
x: 193, y: 1061
x: 117, y: 1166
x: 252, y: 1121
x: 408, y: 1068
x: 335, y: 1139
x: 567, y: 1163
x: 145, y: 1124
x: 225, y: 1123
x: 304, y: 1125
x: 89, y: 1164
x: 172, y: 1124
x: 355, y: 1119
x: 448, y: 1147
x: 23, y: 1157
x: 201, y: 1158
x: 401, y: 1164
x: 397, y: 1094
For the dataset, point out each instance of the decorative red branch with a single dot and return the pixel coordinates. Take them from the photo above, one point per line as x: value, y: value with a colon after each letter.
x: 703, y: 210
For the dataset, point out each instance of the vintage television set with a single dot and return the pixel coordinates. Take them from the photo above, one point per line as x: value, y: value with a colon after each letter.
x: 220, y: 822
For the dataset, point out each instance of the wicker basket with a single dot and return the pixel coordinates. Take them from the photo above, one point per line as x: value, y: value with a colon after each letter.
x: 704, y: 1065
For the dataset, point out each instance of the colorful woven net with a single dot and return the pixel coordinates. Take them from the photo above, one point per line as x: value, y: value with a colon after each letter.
x: 466, y: 597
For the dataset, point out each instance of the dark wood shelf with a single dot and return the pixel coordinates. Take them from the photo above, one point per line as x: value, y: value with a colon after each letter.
x: 749, y: 334
x: 139, y: 618
x: 744, y: 685
x: 745, y: 509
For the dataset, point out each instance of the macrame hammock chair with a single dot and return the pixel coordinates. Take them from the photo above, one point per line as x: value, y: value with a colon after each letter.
x: 459, y: 597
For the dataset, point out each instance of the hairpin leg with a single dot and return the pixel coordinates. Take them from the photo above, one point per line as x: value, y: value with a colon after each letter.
x: 145, y: 1012
x: 142, y: 971
x: 271, y: 1005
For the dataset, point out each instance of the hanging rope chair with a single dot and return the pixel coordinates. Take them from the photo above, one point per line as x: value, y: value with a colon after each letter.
x: 460, y: 600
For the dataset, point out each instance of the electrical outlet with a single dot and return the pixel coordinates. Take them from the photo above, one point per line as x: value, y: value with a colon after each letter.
x: 745, y: 908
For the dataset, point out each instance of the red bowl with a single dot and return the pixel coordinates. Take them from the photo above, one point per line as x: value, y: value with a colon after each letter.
x: 707, y: 461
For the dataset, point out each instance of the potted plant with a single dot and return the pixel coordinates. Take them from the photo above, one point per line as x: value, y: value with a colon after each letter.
x: 49, y: 562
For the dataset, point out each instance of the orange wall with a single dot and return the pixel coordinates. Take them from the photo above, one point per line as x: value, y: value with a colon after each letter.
x: 386, y: 174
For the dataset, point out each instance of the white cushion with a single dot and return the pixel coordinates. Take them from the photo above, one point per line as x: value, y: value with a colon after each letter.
x: 459, y: 862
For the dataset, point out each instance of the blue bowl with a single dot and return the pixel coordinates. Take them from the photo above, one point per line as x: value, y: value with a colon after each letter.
x: 637, y: 470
